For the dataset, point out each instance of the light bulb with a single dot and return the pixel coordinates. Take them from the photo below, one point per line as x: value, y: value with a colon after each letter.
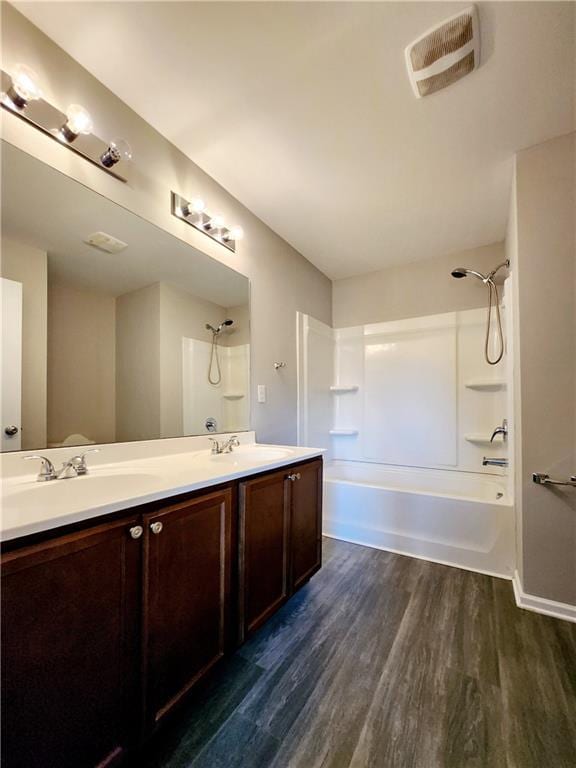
x: 217, y: 221
x: 197, y: 205
x: 118, y: 149
x: 79, y: 121
x: 194, y: 208
x: 24, y: 86
x: 235, y: 233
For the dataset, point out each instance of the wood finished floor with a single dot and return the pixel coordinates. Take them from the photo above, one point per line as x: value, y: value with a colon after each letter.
x: 383, y: 661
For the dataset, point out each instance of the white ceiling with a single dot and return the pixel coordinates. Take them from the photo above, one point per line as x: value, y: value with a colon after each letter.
x: 304, y: 112
x: 62, y: 215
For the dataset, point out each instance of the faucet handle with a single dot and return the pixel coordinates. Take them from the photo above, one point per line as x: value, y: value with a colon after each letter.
x: 215, y: 445
x: 80, y: 461
x: 47, y: 471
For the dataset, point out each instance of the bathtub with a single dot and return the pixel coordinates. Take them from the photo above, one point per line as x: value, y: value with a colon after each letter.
x: 456, y: 518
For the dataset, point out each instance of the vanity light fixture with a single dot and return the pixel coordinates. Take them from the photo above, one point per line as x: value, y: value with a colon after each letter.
x: 79, y: 122
x: 24, y: 86
x: 22, y: 97
x: 194, y: 213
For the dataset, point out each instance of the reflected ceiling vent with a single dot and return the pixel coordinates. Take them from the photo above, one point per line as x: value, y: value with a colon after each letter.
x: 444, y: 54
x: 105, y: 242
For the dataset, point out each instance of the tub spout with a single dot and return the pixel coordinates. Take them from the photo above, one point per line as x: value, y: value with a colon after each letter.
x: 487, y: 462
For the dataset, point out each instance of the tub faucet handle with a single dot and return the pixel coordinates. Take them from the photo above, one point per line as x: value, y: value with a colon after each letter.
x: 501, y: 430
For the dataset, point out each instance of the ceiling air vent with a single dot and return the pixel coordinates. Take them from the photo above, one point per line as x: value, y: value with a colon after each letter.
x: 444, y: 54
x: 105, y: 242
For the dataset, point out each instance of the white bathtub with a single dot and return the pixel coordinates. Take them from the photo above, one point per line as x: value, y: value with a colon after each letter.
x: 456, y: 518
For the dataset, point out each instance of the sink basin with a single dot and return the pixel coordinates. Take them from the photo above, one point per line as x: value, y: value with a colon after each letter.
x: 88, y: 486
x: 252, y: 454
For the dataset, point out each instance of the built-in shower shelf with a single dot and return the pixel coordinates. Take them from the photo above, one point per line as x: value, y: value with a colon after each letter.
x: 340, y: 390
x: 232, y: 395
x: 486, y: 384
x: 343, y: 432
x: 480, y: 439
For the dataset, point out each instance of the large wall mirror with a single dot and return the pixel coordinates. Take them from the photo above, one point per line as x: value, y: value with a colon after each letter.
x: 145, y: 342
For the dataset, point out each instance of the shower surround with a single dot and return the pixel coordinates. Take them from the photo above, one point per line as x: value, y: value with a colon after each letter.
x: 406, y: 410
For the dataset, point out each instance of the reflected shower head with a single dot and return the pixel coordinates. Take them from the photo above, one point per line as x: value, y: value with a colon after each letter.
x: 463, y: 272
x: 219, y: 329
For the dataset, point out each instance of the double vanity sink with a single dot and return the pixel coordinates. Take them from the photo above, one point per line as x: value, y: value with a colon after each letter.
x: 29, y: 506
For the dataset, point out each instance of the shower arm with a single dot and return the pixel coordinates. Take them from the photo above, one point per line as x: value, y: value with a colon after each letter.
x: 491, y: 275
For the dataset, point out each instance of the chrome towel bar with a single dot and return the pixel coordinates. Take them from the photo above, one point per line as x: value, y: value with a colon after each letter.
x: 542, y: 479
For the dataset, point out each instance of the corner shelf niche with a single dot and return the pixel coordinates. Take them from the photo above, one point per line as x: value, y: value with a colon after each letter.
x: 338, y: 389
x: 486, y: 384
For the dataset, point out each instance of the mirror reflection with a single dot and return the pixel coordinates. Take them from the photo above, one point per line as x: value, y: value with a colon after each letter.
x: 112, y: 329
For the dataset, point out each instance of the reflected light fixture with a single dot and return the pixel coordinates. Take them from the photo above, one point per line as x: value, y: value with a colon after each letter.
x: 194, y: 213
x: 24, y: 86
x: 234, y: 233
x: 118, y: 149
x: 79, y: 121
x: 216, y: 222
x: 195, y: 207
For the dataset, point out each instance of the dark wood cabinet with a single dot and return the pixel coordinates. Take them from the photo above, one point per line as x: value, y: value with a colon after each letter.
x: 70, y: 645
x: 305, y: 523
x: 106, y: 627
x: 263, y: 529
x: 280, y: 539
x: 186, y: 569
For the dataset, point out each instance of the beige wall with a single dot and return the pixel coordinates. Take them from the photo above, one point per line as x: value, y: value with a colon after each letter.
x: 414, y: 290
x: 544, y: 276
x: 29, y: 266
x: 138, y: 364
x: 81, y: 363
x: 181, y: 315
x: 239, y: 333
x: 282, y: 281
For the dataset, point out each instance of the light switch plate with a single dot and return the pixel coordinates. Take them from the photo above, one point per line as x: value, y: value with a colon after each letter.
x: 261, y: 393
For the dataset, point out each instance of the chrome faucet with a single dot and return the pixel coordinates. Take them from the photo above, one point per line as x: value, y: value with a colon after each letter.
x: 225, y: 447
x: 73, y: 467
x: 47, y: 470
x: 502, y: 430
x: 487, y: 462
x: 76, y: 466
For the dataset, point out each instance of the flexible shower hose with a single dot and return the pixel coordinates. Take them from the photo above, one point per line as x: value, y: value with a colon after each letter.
x: 493, y: 297
x: 214, y: 355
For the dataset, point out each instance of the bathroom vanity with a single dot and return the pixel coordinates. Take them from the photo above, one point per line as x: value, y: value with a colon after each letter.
x: 112, y: 619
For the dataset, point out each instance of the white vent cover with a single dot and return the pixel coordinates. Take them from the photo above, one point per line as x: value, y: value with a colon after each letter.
x: 444, y: 54
x: 105, y: 242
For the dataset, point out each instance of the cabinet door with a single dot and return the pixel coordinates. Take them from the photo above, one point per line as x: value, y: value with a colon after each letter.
x: 186, y: 596
x: 305, y: 522
x: 263, y: 548
x: 70, y: 648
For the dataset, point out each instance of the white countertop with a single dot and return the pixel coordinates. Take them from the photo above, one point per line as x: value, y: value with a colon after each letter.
x: 31, y: 507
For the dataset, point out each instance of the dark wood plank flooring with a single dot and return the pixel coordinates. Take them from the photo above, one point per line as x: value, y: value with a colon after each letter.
x: 384, y: 661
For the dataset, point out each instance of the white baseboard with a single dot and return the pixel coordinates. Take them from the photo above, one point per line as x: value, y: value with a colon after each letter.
x: 541, y: 604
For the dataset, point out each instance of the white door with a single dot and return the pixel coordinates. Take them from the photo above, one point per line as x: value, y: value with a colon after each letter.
x: 11, y: 356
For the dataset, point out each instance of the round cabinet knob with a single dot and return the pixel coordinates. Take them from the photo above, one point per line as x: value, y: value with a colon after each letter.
x: 156, y: 527
x: 295, y: 476
x: 11, y: 430
x: 136, y: 531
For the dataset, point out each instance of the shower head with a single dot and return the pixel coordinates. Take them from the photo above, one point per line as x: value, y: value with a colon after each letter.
x: 489, y: 278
